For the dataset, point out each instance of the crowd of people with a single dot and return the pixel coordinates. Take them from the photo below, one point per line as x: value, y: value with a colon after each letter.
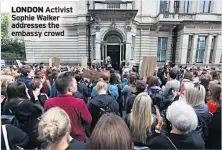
x: 50, y: 108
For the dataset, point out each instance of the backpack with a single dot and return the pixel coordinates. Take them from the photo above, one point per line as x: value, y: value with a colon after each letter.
x: 113, y: 91
x: 10, y: 118
x: 157, y: 99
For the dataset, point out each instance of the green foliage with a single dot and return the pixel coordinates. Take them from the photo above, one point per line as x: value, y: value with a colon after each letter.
x: 10, y: 48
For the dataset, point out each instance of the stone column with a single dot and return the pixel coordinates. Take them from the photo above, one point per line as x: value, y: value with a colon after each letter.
x: 181, y: 9
x: 218, y: 49
x: 97, y: 45
x: 207, y: 49
x: 128, y: 46
x: 194, y: 49
x: 184, y: 47
x: 171, y: 7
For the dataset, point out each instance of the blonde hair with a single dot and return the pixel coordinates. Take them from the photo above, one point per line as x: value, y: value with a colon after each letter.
x: 6, y: 79
x: 141, y: 118
x: 101, y: 85
x: 118, y: 78
x: 53, y: 125
x: 194, y: 94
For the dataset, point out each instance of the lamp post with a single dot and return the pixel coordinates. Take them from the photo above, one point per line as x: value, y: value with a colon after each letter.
x: 88, y: 18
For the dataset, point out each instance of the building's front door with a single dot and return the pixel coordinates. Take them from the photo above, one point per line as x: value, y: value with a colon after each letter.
x: 114, y: 52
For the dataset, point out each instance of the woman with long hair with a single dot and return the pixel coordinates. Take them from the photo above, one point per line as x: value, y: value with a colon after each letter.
x: 18, y: 104
x: 141, y: 121
x: 110, y: 132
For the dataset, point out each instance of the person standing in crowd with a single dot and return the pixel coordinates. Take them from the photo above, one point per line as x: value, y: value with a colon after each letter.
x: 183, y: 120
x: 120, y: 100
x: 195, y: 96
x: 171, y: 85
x: 82, y: 87
x: 216, y: 77
x: 37, y: 97
x: 54, y: 131
x: 214, y: 128
x: 74, y: 107
x: 127, y: 90
x: 18, y: 104
x: 102, y: 102
x: 13, y: 137
x: 141, y: 121
x: 195, y: 76
x: 213, y: 97
x: 112, y: 87
x: 27, y: 76
x: 140, y: 87
x: 108, y: 63
x: 54, y: 92
x: 155, y: 92
x: 48, y: 82
x: 110, y: 132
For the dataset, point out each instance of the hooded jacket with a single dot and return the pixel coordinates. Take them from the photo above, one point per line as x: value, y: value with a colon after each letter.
x: 101, y: 101
x: 28, y: 115
x: 204, y: 118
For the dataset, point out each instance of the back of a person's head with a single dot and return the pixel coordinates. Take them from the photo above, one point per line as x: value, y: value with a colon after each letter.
x: 25, y: 70
x: 5, y: 80
x: 78, y: 77
x: 215, y: 75
x: 64, y: 81
x: 173, y: 73
x: 17, y: 90
x: 110, y: 132
x: 215, y: 91
x: 113, y: 78
x: 153, y: 81
x: 53, y: 126
x: 105, y: 76
x: 36, y: 84
x: 112, y: 70
x: 132, y: 79
x: 100, y: 86
x: 188, y: 75
x: 141, y: 118
x: 182, y: 116
x: 194, y: 93
x: 140, y: 86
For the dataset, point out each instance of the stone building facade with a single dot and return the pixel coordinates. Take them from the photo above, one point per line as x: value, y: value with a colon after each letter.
x: 183, y: 32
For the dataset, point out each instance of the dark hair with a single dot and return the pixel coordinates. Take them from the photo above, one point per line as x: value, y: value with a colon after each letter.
x: 110, y: 132
x: 134, y: 69
x: 132, y: 79
x: 25, y: 70
x: 112, y: 70
x: 188, y: 75
x: 195, y: 73
x: 64, y: 81
x: 35, y: 84
x: 215, y: 75
x: 215, y: 90
x: 16, y: 90
x: 140, y: 86
x: 39, y: 76
x: 113, y: 78
x: 55, y: 73
x: 153, y: 81
x: 78, y: 77
x: 173, y: 73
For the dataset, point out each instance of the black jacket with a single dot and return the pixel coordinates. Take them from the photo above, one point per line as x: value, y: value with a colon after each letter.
x: 186, y: 141
x: 101, y: 101
x: 28, y: 115
x: 214, y: 139
x: 16, y: 137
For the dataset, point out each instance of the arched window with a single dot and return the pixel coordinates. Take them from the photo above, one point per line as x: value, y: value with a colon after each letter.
x: 113, y: 39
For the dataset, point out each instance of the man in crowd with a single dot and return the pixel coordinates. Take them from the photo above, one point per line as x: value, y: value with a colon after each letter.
x: 74, y: 107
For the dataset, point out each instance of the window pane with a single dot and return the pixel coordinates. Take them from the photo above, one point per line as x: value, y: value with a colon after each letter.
x: 164, y: 6
x: 207, y: 6
x: 187, y: 6
x: 201, y: 44
x: 202, y: 6
x: 162, y: 47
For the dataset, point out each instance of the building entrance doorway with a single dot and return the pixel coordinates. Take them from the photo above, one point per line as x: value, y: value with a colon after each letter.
x: 113, y: 51
x: 113, y: 47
